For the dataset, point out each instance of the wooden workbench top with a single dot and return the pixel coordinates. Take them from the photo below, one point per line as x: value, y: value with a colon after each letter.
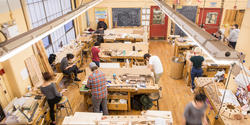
x: 121, y: 71
x: 214, y: 99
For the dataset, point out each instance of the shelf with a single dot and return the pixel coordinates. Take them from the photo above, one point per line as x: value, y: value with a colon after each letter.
x: 117, y: 106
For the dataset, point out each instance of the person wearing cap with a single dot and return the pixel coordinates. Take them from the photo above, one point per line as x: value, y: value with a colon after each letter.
x: 196, y: 70
x: 154, y: 63
x: 95, y: 53
x: 97, y: 84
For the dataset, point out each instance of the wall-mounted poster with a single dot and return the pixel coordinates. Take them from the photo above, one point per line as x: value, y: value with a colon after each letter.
x: 101, y: 13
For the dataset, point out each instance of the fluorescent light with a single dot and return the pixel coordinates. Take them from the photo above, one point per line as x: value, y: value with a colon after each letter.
x: 36, y: 39
x: 221, y: 61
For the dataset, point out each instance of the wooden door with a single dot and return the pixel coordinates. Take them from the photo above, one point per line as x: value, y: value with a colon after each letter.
x: 210, y: 18
x: 5, y: 97
x: 234, y: 17
x: 158, y: 23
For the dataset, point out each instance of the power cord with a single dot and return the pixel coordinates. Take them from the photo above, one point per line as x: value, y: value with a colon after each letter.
x: 217, y: 115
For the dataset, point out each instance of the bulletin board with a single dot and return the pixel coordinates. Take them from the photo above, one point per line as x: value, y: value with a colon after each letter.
x: 126, y: 17
x: 189, y: 12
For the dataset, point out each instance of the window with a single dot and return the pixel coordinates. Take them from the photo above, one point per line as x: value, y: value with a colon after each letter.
x: 68, y: 26
x: 46, y: 42
x: 158, y: 16
x: 43, y: 11
x: 211, y: 18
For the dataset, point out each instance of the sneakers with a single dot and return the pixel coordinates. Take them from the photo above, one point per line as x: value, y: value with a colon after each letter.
x: 76, y: 79
x: 79, y: 71
x: 192, y: 90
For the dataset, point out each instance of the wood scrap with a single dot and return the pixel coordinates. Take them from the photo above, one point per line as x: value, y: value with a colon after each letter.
x: 231, y: 111
x: 44, y: 57
x: 34, y: 71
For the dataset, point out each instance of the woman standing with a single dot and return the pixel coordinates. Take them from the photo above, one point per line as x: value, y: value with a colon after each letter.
x: 52, y: 95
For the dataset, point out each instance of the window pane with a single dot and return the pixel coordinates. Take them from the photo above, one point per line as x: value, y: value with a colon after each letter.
x: 46, y: 41
x: 211, y: 18
x: 68, y: 26
x: 158, y: 16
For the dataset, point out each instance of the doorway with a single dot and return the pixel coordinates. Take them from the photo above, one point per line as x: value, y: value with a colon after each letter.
x: 158, y: 23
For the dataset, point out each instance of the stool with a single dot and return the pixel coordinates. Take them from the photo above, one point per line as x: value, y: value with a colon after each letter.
x: 155, y: 97
x: 64, y: 101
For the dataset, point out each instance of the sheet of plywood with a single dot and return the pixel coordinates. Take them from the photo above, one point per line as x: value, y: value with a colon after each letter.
x: 44, y: 57
x: 34, y: 71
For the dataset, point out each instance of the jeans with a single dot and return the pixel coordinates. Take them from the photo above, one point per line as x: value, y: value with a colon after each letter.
x: 157, y: 78
x: 52, y: 103
x: 232, y: 44
x: 70, y: 70
x: 97, y: 103
x: 97, y: 63
x: 195, y: 73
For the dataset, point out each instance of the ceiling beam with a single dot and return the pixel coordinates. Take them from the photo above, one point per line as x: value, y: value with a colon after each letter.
x: 15, y: 45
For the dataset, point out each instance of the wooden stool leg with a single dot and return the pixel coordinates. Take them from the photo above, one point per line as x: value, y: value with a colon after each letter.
x: 66, y: 109
x: 70, y: 107
x: 158, y: 108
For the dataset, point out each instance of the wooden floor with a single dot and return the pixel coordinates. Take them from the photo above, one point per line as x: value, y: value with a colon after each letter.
x: 175, y: 92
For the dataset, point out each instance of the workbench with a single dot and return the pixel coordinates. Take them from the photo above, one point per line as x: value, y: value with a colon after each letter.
x: 124, y: 34
x: 129, y: 89
x: 208, y: 66
x: 39, y: 114
x: 120, y: 52
x: 212, y: 91
x: 149, y: 117
x: 182, y: 46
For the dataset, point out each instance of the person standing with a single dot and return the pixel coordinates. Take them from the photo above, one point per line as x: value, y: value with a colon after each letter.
x: 68, y: 68
x: 101, y: 26
x: 97, y: 84
x: 52, y: 95
x: 196, y: 70
x: 154, y: 63
x: 95, y: 53
x: 194, y: 113
x: 233, y: 36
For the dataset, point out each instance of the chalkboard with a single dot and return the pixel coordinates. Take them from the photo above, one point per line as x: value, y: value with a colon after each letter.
x: 126, y: 16
x: 190, y: 13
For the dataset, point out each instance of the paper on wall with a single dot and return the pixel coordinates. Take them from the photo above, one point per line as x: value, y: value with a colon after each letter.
x: 143, y: 10
x: 229, y: 97
x: 24, y: 74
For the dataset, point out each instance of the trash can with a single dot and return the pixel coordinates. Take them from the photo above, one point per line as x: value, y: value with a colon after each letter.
x: 177, y: 65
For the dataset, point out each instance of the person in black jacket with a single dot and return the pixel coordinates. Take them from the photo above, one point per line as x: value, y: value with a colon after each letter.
x: 101, y: 26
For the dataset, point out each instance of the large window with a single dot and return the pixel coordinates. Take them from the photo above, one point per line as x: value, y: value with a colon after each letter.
x: 43, y: 11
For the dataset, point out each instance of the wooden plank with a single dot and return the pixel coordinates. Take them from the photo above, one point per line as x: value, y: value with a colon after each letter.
x: 34, y: 71
x: 44, y: 57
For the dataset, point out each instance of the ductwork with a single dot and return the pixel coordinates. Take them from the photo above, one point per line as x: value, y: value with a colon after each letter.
x: 13, y: 46
x: 216, y: 49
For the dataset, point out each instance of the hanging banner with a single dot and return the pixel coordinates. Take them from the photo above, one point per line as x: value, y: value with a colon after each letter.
x: 213, y: 4
x: 101, y: 13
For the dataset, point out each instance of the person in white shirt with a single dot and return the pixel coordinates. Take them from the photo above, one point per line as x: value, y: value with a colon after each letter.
x: 233, y: 36
x: 154, y: 63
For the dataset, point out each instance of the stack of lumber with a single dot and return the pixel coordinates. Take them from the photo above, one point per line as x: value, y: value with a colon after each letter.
x: 147, y: 118
x: 34, y: 71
